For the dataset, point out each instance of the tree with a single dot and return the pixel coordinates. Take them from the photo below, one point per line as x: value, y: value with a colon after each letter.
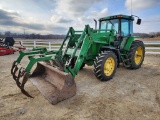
x: 7, y: 33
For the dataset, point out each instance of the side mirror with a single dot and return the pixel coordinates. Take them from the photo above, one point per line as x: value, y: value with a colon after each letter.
x: 138, y: 21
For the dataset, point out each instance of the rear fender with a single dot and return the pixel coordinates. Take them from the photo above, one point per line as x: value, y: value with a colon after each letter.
x: 128, y: 43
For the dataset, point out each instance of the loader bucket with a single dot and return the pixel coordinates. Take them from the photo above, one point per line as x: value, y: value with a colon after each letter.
x: 54, y: 84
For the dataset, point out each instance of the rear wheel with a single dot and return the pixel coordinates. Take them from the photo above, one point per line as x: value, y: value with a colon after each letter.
x: 105, y: 65
x: 136, y: 54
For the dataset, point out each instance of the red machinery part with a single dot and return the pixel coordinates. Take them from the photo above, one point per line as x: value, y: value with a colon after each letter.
x: 6, y: 51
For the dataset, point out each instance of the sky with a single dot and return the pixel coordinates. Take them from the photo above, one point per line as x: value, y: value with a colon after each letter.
x: 56, y: 16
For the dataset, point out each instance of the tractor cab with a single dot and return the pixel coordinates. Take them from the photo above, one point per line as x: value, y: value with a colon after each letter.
x: 123, y: 27
x: 122, y: 24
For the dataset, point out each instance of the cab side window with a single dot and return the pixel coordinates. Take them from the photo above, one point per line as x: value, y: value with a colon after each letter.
x: 103, y: 26
x: 125, y: 27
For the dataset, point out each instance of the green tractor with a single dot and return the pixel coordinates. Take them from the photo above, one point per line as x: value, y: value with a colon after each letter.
x: 105, y: 48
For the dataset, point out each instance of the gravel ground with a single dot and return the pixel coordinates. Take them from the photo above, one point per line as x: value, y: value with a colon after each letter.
x: 130, y: 95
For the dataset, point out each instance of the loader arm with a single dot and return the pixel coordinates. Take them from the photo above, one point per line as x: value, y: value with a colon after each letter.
x: 82, y: 54
x: 69, y: 34
x: 33, y: 52
x: 84, y: 43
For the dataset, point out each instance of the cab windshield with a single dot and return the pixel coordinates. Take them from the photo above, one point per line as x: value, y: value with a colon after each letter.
x: 109, y: 24
x: 122, y: 26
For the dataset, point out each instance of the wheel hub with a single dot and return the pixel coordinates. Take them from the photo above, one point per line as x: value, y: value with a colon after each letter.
x: 138, y: 55
x: 109, y: 66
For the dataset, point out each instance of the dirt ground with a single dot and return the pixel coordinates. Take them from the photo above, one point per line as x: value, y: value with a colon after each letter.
x: 130, y: 95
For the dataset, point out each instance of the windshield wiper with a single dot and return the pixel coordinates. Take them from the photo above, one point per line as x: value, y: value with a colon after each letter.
x: 112, y: 25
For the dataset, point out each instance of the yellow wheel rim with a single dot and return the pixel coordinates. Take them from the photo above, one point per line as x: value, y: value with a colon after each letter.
x: 109, y: 66
x: 138, y: 55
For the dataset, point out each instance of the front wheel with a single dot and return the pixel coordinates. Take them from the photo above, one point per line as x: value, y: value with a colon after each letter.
x: 105, y: 65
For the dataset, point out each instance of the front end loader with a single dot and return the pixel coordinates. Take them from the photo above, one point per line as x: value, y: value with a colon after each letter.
x: 105, y: 48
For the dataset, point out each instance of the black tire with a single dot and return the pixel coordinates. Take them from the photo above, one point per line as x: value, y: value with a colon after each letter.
x: 99, y: 64
x: 136, y: 45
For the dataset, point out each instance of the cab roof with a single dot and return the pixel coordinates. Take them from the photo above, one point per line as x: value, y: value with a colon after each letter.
x: 120, y: 16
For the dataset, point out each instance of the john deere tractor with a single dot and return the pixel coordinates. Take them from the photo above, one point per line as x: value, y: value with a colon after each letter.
x: 104, y: 48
